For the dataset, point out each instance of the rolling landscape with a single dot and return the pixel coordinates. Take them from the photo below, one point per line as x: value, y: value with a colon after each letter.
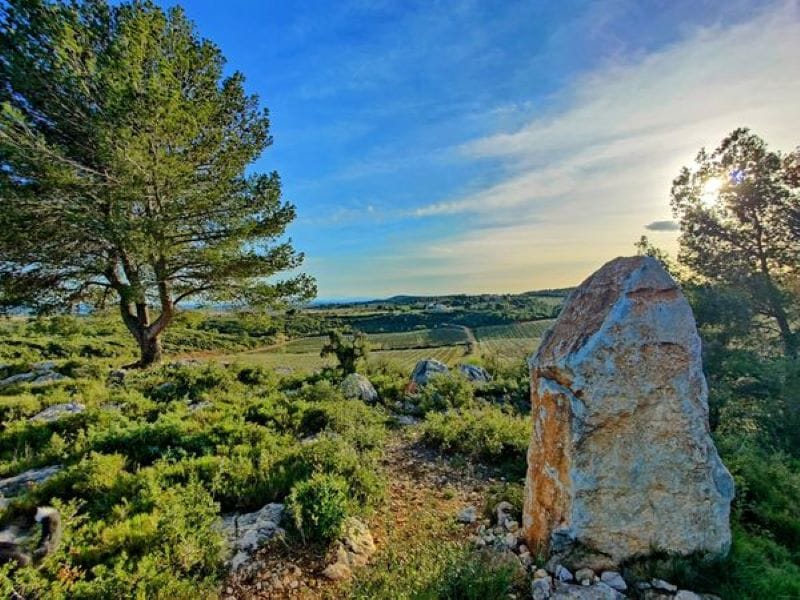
x: 389, y: 300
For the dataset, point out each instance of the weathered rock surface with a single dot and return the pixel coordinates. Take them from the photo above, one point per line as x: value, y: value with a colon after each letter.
x: 41, y: 372
x: 56, y: 411
x: 571, y: 591
x: 474, y: 373
x: 357, y: 387
x: 621, y: 461
x: 247, y: 532
x: 351, y: 551
x: 424, y: 370
x: 12, y: 486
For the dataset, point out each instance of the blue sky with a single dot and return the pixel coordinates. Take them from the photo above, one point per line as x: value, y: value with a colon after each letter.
x: 497, y: 145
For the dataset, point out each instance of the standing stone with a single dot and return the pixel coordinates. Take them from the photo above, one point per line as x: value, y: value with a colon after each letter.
x: 621, y: 461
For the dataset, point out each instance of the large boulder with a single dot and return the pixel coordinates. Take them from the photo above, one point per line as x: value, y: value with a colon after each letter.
x: 621, y: 461
x: 423, y: 371
x: 357, y: 387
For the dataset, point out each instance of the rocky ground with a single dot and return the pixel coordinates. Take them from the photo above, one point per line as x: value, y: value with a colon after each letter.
x: 422, y: 486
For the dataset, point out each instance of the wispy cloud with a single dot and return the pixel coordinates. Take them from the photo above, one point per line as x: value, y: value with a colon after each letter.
x: 634, y: 122
x: 582, y: 179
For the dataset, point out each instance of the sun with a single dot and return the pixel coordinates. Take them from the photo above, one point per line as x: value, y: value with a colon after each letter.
x: 710, y: 191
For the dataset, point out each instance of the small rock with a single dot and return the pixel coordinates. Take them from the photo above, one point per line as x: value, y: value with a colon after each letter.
x: 503, y: 511
x: 423, y: 371
x: 18, y: 378
x: 525, y: 559
x: 584, y: 576
x: 48, y: 377
x: 614, y: 580
x: 652, y: 594
x: 568, y: 591
x: 406, y: 420
x: 56, y: 411
x: 661, y: 585
x: 357, y: 387
x: 687, y: 595
x: 247, y: 532
x: 337, y: 571
x: 562, y: 573
x: 511, y: 540
x: 474, y: 373
x: 45, y: 365
x: 540, y: 588
x: 540, y: 574
x: 478, y: 541
x: 468, y: 515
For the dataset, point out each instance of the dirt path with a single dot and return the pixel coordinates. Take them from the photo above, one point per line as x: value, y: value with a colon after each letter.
x: 423, y: 489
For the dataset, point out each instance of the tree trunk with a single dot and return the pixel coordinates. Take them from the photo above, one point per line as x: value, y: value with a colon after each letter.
x: 150, y: 351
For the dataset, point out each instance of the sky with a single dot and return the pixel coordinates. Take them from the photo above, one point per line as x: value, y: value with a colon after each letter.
x: 436, y: 147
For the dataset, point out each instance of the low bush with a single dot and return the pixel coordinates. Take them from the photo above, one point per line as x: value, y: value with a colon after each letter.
x: 319, y: 507
x: 445, y: 391
x: 484, y: 432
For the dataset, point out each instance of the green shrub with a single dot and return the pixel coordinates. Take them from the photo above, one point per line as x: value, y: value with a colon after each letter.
x: 445, y: 391
x: 319, y: 507
x: 484, y: 432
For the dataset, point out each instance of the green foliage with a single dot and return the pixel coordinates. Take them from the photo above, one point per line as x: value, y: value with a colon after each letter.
x: 125, y: 150
x: 348, y: 355
x: 148, y: 469
x: 445, y: 391
x: 319, y: 506
x: 482, y: 432
x: 738, y: 213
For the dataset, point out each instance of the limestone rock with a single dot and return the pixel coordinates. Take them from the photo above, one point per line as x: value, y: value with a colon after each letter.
x: 19, y: 378
x: 503, y: 512
x: 663, y: 586
x: 468, y: 514
x: 614, y: 580
x: 540, y: 588
x: 474, y: 373
x: 56, y: 411
x: 424, y: 370
x: 351, y: 551
x: 621, y: 460
x: 584, y: 576
x: 571, y: 591
x: 247, y: 532
x: 357, y: 387
x: 12, y: 486
x: 48, y: 377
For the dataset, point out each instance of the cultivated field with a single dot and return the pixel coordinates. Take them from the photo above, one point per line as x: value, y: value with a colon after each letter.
x: 511, y: 342
x: 449, y: 345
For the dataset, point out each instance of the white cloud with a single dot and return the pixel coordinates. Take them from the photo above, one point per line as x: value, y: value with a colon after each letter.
x: 622, y: 132
x: 584, y: 180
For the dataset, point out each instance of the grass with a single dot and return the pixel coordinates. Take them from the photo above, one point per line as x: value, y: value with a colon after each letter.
x: 309, y: 361
x: 527, y: 330
x: 511, y: 342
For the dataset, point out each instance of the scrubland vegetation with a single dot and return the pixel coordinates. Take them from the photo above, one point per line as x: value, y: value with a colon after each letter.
x: 126, y: 188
